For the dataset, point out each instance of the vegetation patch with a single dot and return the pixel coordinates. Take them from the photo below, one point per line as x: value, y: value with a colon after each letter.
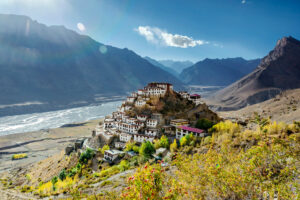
x: 19, y: 156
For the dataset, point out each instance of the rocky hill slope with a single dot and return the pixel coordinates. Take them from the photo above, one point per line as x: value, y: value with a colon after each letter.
x: 278, y: 71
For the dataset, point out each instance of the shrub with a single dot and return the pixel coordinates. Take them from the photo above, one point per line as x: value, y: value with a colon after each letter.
x: 147, y: 149
x: 104, y: 183
x: 135, y: 149
x: 186, y: 140
x: 26, y: 189
x: 163, y: 142
x: 146, y: 183
x: 28, y: 177
x: 62, y: 175
x: 124, y: 165
x: 173, y: 146
x: 183, y: 141
x: 207, y: 140
x: 104, y: 148
x: 74, y: 170
x: 54, y: 181
x: 19, y: 156
x: 85, y: 156
x: 204, y: 124
x: 129, y: 146
x: 226, y: 127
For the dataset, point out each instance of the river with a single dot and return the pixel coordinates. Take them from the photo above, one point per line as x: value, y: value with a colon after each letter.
x: 54, y: 119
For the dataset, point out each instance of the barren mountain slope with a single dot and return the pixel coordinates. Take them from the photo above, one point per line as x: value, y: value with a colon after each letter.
x: 279, y: 71
x: 284, y: 107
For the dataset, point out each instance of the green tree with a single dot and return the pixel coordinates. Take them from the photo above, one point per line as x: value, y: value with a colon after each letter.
x: 85, y: 156
x: 62, y: 175
x: 204, y: 124
x: 147, y: 149
x: 54, y: 181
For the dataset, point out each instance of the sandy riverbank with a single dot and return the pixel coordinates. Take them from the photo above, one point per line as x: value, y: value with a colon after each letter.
x: 41, y: 144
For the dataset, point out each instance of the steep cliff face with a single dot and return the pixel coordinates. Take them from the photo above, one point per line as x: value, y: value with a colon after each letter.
x: 278, y: 71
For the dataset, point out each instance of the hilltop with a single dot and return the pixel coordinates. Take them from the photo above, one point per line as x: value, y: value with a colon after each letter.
x: 149, y: 113
x: 140, y: 131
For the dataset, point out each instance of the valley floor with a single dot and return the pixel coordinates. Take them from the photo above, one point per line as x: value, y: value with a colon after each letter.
x: 39, y: 145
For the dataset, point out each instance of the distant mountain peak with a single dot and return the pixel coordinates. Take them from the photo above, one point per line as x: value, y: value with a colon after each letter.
x: 286, y: 40
x: 284, y: 46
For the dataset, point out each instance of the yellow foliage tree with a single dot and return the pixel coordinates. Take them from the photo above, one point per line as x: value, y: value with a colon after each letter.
x: 173, y: 146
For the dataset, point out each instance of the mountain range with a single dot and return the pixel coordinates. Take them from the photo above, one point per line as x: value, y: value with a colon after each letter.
x: 277, y: 72
x: 218, y: 72
x: 55, y: 65
x: 158, y: 64
x: 178, y: 66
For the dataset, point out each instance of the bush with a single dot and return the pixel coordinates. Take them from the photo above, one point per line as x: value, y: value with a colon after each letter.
x: 124, y: 165
x: 134, y: 161
x: 85, y: 156
x: 227, y: 127
x: 104, y: 183
x: 186, y: 140
x: 147, y: 149
x: 173, y: 146
x: 146, y: 183
x: 135, y: 149
x: 62, y: 175
x: 54, y: 181
x: 207, y: 140
x: 26, y: 189
x: 204, y: 124
x: 19, y: 156
x: 129, y: 146
x: 75, y: 170
x: 104, y: 148
x: 163, y: 142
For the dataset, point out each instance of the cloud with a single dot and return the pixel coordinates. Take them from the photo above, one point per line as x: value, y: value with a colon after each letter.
x: 244, y: 1
x: 218, y: 45
x: 81, y: 27
x: 158, y: 36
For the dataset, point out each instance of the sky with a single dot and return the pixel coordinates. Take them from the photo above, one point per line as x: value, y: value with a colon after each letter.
x: 172, y: 29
